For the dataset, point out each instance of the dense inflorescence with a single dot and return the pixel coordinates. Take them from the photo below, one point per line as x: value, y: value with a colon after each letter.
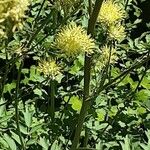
x: 73, y: 39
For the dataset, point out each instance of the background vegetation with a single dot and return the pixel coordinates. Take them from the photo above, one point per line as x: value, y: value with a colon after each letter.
x: 70, y: 79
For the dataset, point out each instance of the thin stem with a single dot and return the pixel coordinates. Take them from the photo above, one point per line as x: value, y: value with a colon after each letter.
x: 87, y: 68
x: 86, y: 131
x: 127, y: 101
x: 111, y: 82
x: 86, y: 138
x: 90, y: 7
x: 52, y: 99
x: 126, y: 4
x: 16, y: 106
x: 35, y: 21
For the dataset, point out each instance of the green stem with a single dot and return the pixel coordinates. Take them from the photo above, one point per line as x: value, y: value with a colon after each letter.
x: 87, y: 68
x: 90, y: 7
x: 86, y: 138
x: 52, y: 99
x: 111, y: 82
x: 16, y: 106
x: 35, y: 21
x: 131, y: 96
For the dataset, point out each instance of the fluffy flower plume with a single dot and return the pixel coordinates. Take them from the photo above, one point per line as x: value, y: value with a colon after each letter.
x: 49, y: 68
x: 117, y: 32
x: 13, y: 11
x: 73, y: 39
x: 110, y: 12
x: 108, y: 55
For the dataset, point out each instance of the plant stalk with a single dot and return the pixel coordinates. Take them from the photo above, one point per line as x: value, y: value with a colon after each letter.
x: 16, y: 106
x: 52, y: 99
x: 87, y: 68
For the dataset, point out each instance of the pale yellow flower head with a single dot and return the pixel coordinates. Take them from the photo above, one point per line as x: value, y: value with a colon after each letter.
x: 13, y: 11
x: 17, y: 9
x: 117, y: 32
x: 73, y: 39
x: 110, y: 12
x: 17, y: 12
x: 49, y: 68
x: 108, y: 55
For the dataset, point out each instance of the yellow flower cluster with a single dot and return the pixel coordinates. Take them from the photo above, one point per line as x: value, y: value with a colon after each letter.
x: 12, y: 11
x: 116, y: 32
x: 73, y: 39
x: 110, y: 12
x: 108, y: 56
x: 111, y: 15
x: 49, y: 68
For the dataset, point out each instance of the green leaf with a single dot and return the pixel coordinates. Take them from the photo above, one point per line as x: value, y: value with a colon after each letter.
x: 66, y: 98
x: 122, y: 124
x: 146, y: 82
x: 10, y: 142
x: 28, y: 117
x: 76, y: 103
x: 115, y: 72
x: 102, y: 126
x: 141, y: 110
x: 3, y: 144
x: 101, y: 114
x: 113, y: 111
x: 9, y: 87
x: 5, y: 118
x: 15, y: 137
x: 126, y: 144
x: 43, y: 143
x: 25, y: 80
x: 142, y: 95
x: 37, y: 92
x: 55, y: 146
x: 35, y: 128
x: 78, y: 64
x: 3, y: 107
x: 25, y: 71
x: 31, y: 141
x: 23, y: 129
x: 126, y: 80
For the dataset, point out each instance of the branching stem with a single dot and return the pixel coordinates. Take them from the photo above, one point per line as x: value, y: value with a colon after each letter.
x: 87, y: 68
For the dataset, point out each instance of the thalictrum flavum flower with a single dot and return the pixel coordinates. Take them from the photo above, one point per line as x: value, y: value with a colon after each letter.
x: 73, y: 40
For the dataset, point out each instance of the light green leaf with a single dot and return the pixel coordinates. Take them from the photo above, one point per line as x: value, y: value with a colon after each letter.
x: 43, y: 143
x: 76, y: 103
x: 15, y: 137
x: 141, y: 110
x: 101, y: 114
x: 10, y: 142
x: 28, y: 117
x: 35, y: 128
x: 113, y: 111
x: 143, y: 95
x: 37, y: 92
x: 3, y: 107
x: 55, y: 146
x: 9, y: 87
x: 31, y: 141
